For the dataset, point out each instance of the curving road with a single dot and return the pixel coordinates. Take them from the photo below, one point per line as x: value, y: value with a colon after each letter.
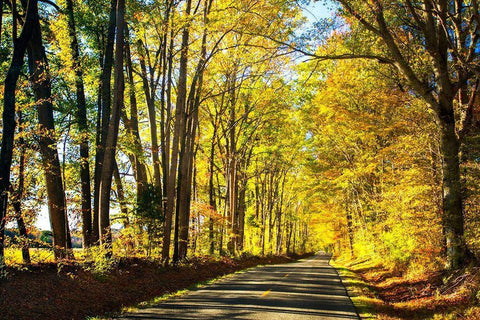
x: 307, y: 289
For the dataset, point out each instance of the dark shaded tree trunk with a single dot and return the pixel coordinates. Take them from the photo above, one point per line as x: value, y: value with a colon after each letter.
x: 112, y: 136
x: 41, y: 83
x: 120, y: 195
x: 188, y: 148
x: 350, y: 229
x: 232, y: 170
x: 279, y: 214
x: 149, y: 90
x: 105, y: 110
x: 242, y: 207
x: 166, y: 119
x: 8, y: 115
x: 132, y: 126
x: 18, y: 195
x: 83, y: 128
x: 453, y: 221
x: 179, y: 131
x: 211, y: 191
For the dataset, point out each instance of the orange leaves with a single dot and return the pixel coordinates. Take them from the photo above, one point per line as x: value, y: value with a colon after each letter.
x: 206, y: 210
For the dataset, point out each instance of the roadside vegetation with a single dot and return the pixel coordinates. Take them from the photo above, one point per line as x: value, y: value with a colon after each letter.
x: 76, y: 291
x: 379, y: 292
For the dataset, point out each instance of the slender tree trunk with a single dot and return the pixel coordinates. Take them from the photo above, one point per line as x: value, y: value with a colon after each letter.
x: 211, y: 191
x: 294, y: 237
x: 241, y: 216
x: 105, y: 110
x: 18, y: 195
x: 167, y: 132
x: 112, y: 136
x: 187, y: 186
x: 232, y: 174
x: 41, y: 83
x: 189, y: 151
x: 280, y: 213
x: 350, y: 229
x: 152, y: 118
x: 83, y: 128
x: 120, y: 194
x: 179, y: 131
x: 8, y: 115
x: 289, y: 236
x: 165, y: 100
x: 222, y: 221
x: 132, y: 124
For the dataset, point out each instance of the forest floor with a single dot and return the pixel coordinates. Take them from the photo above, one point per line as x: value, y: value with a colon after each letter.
x: 72, y: 291
x: 380, y: 293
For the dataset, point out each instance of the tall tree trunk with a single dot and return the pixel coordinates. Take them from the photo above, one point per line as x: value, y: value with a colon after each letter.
x: 189, y: 151
x: 112, y: 136
x: 105, y: 110
x: 211, y: 191
x: 18, y: 195
x: 132, y: 125
x: 41, y: 83
x: 279, y: 213
x: 186, y: 191
x: 350, y: 229
x: 453, y: 220
x: 179, y: 131
x: 224, y: 215
x: 120, y: 194
x: 166, y: 123
x: 241, y: 216
x: 83, y: 128
x: 8, y: 115
x: 165, y: 100
x: 232, y: 171
x: 148, y: 88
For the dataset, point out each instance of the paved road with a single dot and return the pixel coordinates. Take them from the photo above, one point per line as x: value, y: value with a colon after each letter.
x: 307, y: 289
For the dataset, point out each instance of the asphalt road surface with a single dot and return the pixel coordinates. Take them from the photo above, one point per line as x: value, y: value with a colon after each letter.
x: 307, y: 289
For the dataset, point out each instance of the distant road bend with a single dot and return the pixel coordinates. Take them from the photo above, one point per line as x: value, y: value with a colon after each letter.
x: 307, y: 289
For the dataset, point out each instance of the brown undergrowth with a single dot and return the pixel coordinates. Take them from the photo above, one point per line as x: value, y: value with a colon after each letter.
x: 380, y: 293
x: 70, y: 291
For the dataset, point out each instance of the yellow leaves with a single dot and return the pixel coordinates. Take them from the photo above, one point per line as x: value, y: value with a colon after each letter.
x: 372, y: 155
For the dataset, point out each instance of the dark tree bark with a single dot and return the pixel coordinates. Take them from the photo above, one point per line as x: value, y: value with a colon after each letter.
x: 41, y: 84
x: 8, y: 115
x: 211, y: 190
x: 18, y: 195
x: 132, y: 126
x: 232, y: 166
x: 82, y: 122
x: 179, y: 131
x: 149, y: 90
x: 279, y: 213
x: 165, y: 100
x: 187, y: 153
x: 112, y: 135
x: 120, y: 195
x: 105, y: 111
x: 350, y: 229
